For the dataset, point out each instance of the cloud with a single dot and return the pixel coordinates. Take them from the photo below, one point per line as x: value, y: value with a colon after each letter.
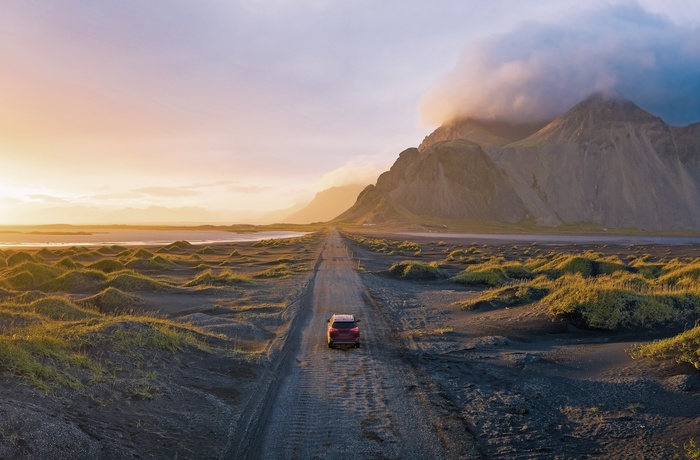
x: 166, y: 192
x: 248, y: 189
x: 538, y: 71
x: 361, y: 170
x: 46, y: 198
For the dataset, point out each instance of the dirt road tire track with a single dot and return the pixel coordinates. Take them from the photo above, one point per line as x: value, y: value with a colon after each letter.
x: 345, y: 403
x: 246, y: 434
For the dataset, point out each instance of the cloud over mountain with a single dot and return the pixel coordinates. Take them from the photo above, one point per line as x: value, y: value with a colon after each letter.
x: 537, y: 71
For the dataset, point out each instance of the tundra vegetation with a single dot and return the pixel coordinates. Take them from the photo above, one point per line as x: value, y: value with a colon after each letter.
x: 70, y: 317
x: 590, y: 289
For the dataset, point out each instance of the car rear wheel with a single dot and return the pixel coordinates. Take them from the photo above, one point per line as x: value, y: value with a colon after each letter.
x: 330, y: 345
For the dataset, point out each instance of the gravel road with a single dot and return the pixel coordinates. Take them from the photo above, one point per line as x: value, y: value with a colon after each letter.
x: 345, y: 403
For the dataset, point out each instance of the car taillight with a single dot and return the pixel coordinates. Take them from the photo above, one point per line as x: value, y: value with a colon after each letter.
x: 355, y: 329
x: 333, y: 329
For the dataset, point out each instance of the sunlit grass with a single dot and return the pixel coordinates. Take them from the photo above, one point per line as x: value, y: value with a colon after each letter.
x: 415, y: 270
x: 683, y: 348
x: 224, y: 278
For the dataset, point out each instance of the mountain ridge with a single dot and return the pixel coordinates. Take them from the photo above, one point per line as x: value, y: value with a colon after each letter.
x: 605, y: 162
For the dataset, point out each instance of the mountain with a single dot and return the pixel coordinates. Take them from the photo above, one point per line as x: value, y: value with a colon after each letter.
x: 280, y: 215
x: 448, y: 180
x: 490, y: 135
x: 605, y: 162
x: 326, y: 205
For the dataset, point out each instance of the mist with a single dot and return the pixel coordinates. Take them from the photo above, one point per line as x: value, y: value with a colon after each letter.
x: 538, y: 71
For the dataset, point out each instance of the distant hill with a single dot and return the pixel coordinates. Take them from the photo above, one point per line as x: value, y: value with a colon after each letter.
x: 605, y: 162
x: 326, y: 205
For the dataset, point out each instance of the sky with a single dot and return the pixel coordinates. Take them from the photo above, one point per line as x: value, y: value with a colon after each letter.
x: 221, y: 111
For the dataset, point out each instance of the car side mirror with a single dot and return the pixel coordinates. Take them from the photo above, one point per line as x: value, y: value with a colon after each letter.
x: 328, y: 320
x: 358, y: 320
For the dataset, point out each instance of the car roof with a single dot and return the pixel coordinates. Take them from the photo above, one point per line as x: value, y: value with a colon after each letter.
x: 343, y: 318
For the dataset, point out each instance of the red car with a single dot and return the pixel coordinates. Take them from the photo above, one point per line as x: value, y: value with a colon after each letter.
x: 343, y: 329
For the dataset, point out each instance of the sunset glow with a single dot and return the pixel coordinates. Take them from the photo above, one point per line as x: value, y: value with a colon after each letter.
x: 220, y: 111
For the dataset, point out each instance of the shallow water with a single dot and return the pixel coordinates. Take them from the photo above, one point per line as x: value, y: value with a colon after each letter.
x: 135, y: 237
x: 559, y: 239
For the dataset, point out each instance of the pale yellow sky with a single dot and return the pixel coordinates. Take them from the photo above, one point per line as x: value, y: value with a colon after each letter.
x: 223, y: 110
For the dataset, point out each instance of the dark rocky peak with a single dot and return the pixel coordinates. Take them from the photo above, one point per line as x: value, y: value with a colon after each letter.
x: 489, y: 134
x: 603, y: 108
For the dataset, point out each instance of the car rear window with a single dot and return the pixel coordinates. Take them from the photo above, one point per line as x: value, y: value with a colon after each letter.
x: 344, y: 324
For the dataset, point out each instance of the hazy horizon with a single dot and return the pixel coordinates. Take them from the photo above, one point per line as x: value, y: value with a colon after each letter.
x: 222, y: 112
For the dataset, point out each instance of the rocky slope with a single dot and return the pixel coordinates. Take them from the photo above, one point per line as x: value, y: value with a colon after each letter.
x: 605, y: 162
x: 326, y: 205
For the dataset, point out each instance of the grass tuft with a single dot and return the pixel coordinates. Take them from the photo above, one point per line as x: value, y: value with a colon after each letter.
x: 107, y: 265
x: 414, y: 270
x: 224, y: 278
x: 19, y: 257
x: 130, y: 281
x: 683, y: 348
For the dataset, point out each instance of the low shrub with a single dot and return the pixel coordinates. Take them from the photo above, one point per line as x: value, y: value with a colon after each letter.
x: 112, y: 299
x: 224, y: 278
x: 40, y: 272
x: 60, y: 308
x: 414, y: 270
x: 75, y: 281
x: 507, y: 296
x: 683, y: 348
x: 490, y: 275
x: 279, y: 271
x: 66, y: 262
x: 129, y: 281
x: 609, y: 303
x: 21, y: 281
x: 20, y: 257
x: 107, y: 265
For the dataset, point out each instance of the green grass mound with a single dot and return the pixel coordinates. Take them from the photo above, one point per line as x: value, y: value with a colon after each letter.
x: 161, y: 263
x: 40, y: 272
x: 588, y: 265
x: 681, y: 274
x: 224, y: 278
x: 125, y: 254
x: 112, y: 300
x: 58, y: 354
x: 647, y: 270
x: 45, y: 253
x: 458, y: 255
x: 29, y: 297
x: 178, y: 246
x: 279, y: 271
x: 515, y: 270
x: 206, y: 250
x: 105, y: 250
x: 75, y: 281
x: 507, y: 296
x: 19, y: 281
x: 683, y: 348
x: 606, y: 304
x: 414, y: 270
x: 142, y: 254
x: 20, y: 257
x: 12, y: 320
x: 235, y: 253
x: 154, y: 263
x: 60, y: 308
x: 134, y: 282
x: 66, y: 262
x: 107, y: 265
x: 482, y: 275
